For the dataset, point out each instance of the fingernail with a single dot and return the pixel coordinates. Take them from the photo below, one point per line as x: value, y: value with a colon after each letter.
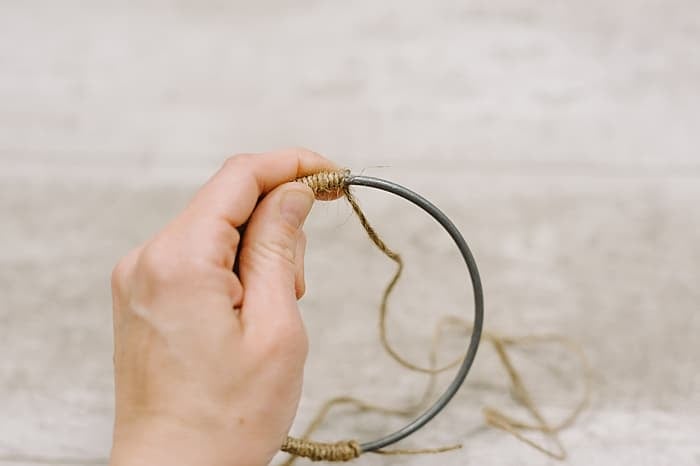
x: 295, y: 206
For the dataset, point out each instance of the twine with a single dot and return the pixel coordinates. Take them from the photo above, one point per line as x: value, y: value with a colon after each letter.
x: 330, y: 185
x: 318, y: 451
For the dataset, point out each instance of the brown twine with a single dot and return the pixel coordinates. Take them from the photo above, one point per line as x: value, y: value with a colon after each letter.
x: 330, y: 185
x: 318, y: 451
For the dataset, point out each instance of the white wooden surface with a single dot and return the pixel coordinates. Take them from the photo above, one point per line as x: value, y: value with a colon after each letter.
x: 561, y: 137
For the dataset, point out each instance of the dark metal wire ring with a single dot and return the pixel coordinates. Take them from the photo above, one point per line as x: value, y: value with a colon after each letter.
x: 456, y: 236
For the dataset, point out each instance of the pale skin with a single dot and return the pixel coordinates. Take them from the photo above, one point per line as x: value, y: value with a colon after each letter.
x: 209, y: 364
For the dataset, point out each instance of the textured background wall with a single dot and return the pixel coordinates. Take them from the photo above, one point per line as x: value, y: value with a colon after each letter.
x: 561, y: 137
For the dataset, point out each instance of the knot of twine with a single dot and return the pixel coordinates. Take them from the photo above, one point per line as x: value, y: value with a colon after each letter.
x: 319, y: 451
x: 327, y: 185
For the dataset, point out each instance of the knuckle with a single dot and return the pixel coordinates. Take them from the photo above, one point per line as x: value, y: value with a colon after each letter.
x: 157, y: 264
x: 122, y: 271
x: 237, y: 161
x: 221, y: 233
x: 278, y: 249
x: 302, y: 152
x: 119, y: 275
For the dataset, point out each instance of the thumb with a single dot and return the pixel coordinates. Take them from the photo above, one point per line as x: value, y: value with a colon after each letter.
x: 268, y: 262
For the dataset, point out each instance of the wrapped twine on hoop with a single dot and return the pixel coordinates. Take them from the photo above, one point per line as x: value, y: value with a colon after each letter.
x: 331, y: 185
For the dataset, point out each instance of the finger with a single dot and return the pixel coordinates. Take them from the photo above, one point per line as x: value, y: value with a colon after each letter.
x: 233, y: 192
x: 121, y: 274
x: 168, y: 263
x: 268, y: 256
x: 121, y: 284
x: 299, y: 279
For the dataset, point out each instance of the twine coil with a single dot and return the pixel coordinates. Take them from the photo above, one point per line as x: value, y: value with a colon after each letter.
x: 319, y: 451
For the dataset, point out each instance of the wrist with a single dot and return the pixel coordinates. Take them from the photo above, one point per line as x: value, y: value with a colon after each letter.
x: 157, y: 442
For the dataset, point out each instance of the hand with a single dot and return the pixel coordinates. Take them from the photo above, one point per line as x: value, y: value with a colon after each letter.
x: 209, y: 365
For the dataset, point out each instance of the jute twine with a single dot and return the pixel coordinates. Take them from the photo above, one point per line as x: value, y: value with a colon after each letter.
x: 330, y: 185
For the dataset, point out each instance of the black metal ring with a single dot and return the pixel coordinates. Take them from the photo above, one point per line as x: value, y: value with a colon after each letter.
x: 456, y: 383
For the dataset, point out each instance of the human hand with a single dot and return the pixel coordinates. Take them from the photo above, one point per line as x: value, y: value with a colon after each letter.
x: 208, y: 364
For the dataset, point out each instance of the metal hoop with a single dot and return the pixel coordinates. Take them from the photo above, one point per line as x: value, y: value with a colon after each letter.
x: 456, y: 236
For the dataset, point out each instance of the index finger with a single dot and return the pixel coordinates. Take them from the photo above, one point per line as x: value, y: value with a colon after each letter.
x: 233, y: 192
